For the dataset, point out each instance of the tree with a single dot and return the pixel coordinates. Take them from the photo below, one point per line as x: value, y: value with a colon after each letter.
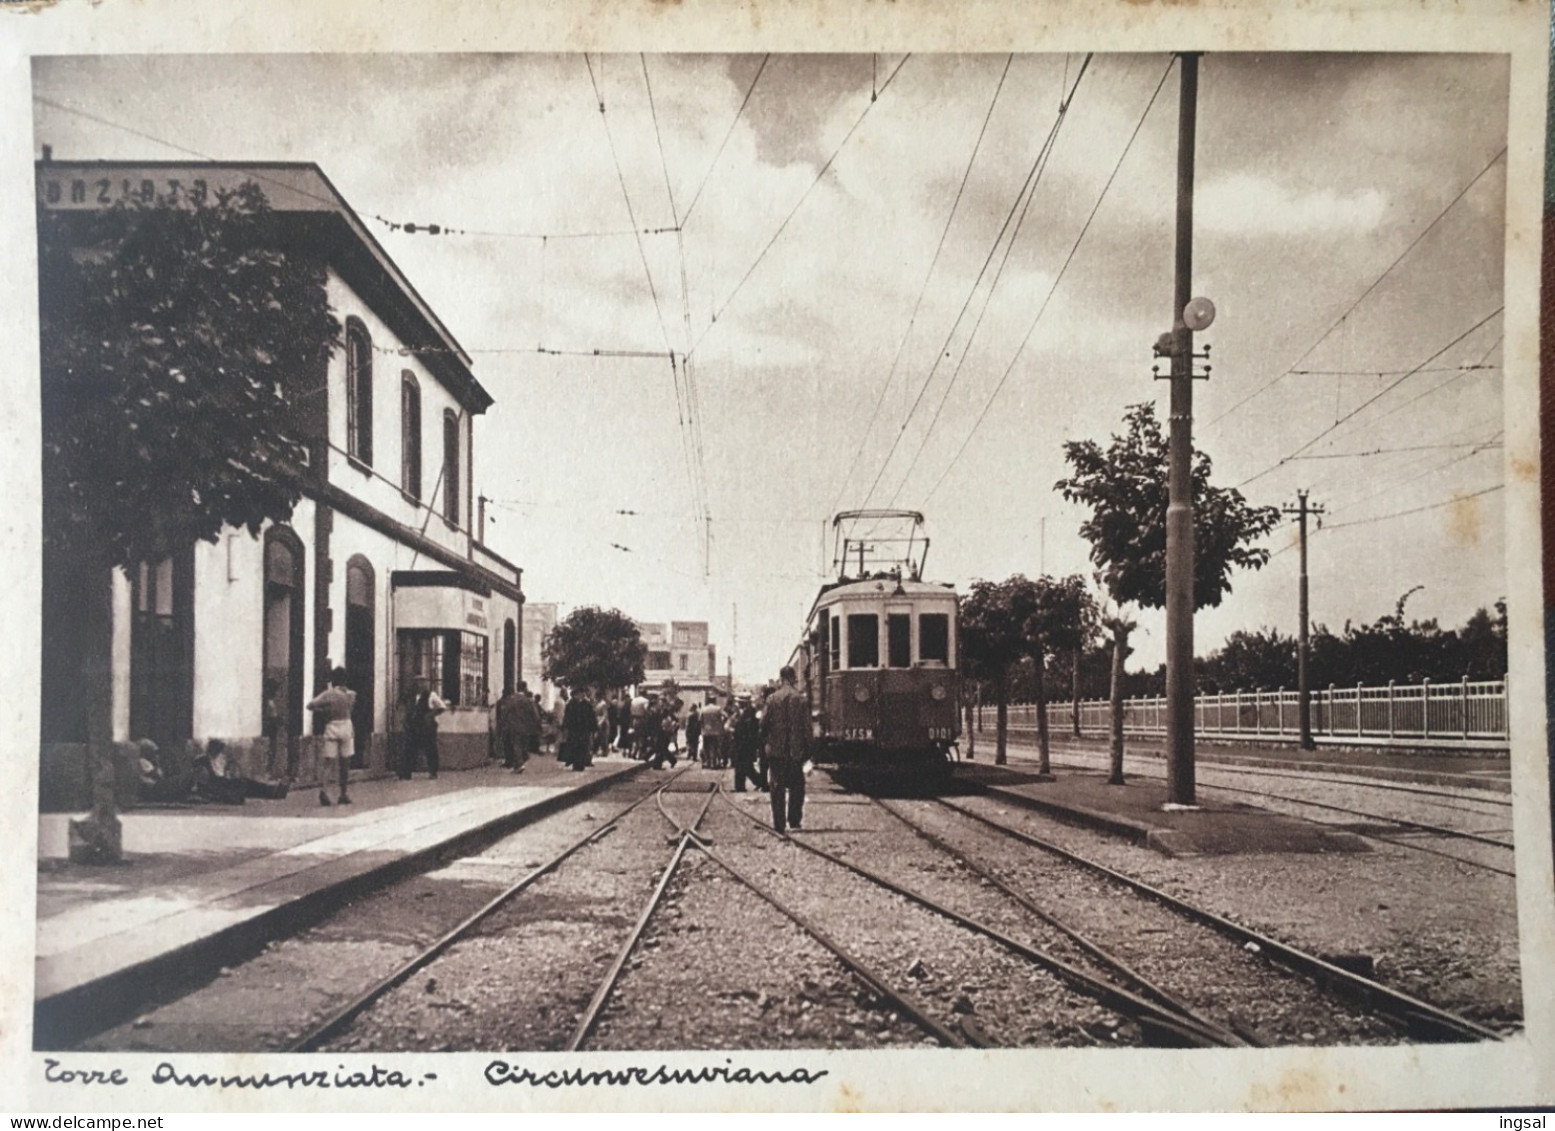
x: 1125, y: 486
x: 178, y: 341
x: 593, y: 647
x: 1248, y: 661
x: 178, y: 338
x: 1062, y: 619
x: 994, y: 639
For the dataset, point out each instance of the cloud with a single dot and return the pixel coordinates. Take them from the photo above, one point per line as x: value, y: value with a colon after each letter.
x: 1257, y: 206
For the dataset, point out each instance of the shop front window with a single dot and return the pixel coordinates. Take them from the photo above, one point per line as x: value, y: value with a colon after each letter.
x: 453, y: 662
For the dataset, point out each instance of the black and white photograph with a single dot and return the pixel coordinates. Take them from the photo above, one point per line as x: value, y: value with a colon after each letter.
x: 716, y: 571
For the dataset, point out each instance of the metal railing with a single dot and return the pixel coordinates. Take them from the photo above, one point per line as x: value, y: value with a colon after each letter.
x: 1439, y: 714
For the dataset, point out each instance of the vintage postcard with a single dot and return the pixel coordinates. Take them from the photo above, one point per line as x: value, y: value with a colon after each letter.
x: 802, y: 557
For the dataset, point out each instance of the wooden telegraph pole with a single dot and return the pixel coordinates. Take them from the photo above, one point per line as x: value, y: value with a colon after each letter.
x: 1179, y: 510
x: 1303, y: 686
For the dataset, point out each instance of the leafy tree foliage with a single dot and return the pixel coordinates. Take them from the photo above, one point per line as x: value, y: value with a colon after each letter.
x: 593, y: 647
x: 994, y: 639
x: 1125, y: 486
x: 178, y: 339
x: 1009, y: 630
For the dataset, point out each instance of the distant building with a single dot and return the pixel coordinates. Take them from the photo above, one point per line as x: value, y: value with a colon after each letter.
x: 679, y: 653
x: 539, y: 621
x: 379, y: 569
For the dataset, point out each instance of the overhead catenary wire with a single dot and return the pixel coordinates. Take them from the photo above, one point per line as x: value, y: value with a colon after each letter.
x: 690, y: 208
x: 1086, y: 227
x: 409, y: 226
x: 1375, y: 283
x: 1009, y: 247
x: 1026, y: 186
x: 885, y: 385
x: 1358, y: 409
x: 626, y: 196
x: 1458, y: 498
x: 719, y: 312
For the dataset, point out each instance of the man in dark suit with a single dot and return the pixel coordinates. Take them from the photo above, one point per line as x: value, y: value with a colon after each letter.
x: 786, y: 729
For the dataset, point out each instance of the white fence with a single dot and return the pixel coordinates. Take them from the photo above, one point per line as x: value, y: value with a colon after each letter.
x: 1465, y: 713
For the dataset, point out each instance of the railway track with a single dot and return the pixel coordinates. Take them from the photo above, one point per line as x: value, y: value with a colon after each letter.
x: 1419, y: 1019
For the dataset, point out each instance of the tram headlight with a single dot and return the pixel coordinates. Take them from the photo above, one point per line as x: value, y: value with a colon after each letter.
x: 937, y: 692
x: 861, y: 693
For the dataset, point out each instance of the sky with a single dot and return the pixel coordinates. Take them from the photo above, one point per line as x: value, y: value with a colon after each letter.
x: 824, y: 241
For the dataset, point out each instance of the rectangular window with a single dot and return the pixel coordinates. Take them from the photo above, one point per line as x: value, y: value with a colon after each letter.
x: 898, y: 628
x: 410, y: 442
x: 683, y: 661
x: 451, y: 468
x: 863, y: 640
x: 835, y: 644
x: 453, y: 662
x: 934, y: 638
x: 472, y: 669
x: 658, y: 661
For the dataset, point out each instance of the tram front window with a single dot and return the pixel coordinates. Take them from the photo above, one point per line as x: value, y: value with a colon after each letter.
x: 863, y: 640
x: 934, y: 638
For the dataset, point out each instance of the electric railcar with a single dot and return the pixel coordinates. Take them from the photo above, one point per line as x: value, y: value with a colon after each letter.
x: 877, y: 660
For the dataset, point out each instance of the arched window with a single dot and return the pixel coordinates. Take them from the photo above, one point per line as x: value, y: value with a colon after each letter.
x: 283, y: 612
x: 410, y: 438
x: 509, y: 654
x: 359, y: 392
x: 451, y: 467
x: 361, y: 652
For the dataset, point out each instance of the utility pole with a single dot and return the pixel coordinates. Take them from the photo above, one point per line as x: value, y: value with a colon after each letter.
x: 1303, y: 687
x: 1179, y: 510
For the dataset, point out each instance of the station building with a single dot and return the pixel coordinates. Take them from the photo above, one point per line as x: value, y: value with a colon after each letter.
x: 378, y: 569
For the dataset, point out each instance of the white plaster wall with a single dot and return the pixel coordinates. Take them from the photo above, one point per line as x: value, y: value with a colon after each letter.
x: 381, y: 488
x: 229, y: 598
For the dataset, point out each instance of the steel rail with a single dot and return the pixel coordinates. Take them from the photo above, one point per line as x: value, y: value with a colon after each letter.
x: 712, y: 792
x: 1424, y: 1019
x: 687, y: 836
x: 1148, y: 987
x: 338, y: 1020
x: 905, y: 1002
x: 1186, y: 1027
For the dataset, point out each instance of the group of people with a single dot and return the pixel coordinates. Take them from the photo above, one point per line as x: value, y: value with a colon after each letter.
x: 767, y: 750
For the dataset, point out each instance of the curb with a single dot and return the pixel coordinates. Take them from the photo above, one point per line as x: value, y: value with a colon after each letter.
x: 1134, y: 831
x: 62, y: 1020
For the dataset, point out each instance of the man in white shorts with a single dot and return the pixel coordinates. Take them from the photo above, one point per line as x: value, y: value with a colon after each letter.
x: 332, y: 707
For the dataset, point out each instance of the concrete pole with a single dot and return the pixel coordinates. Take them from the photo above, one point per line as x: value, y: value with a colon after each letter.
x: 1179, y: 510
x: 1304, y: 690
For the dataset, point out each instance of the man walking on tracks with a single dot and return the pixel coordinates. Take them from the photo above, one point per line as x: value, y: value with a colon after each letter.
x: 745, y: 740
x: 786, y: 727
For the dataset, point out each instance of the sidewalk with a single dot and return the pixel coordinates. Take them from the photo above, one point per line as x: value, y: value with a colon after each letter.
x: 1135, y: 811
x: 206, y: 885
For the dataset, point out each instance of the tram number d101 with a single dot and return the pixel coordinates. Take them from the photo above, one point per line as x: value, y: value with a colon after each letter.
x: 940, y: 734
x: 857, y: 734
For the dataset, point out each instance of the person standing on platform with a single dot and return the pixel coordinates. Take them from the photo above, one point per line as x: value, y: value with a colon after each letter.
x: 786, y: 728
x: 578, y: 731
x: 332, y: 707
x: 744, y: 743
x: 559, y: 717
x: 694, y: 735
x: 421, y: 729
x: 526, y: 725
x: 601, y: 724
x: 640, y: 736
x: 505, y: 726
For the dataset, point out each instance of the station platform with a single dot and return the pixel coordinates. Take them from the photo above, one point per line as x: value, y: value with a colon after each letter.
x: 203, y: 886
x: 1137, y: 811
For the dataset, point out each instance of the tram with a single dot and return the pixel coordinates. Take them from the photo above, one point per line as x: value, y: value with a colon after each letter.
x: 877, y: 659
